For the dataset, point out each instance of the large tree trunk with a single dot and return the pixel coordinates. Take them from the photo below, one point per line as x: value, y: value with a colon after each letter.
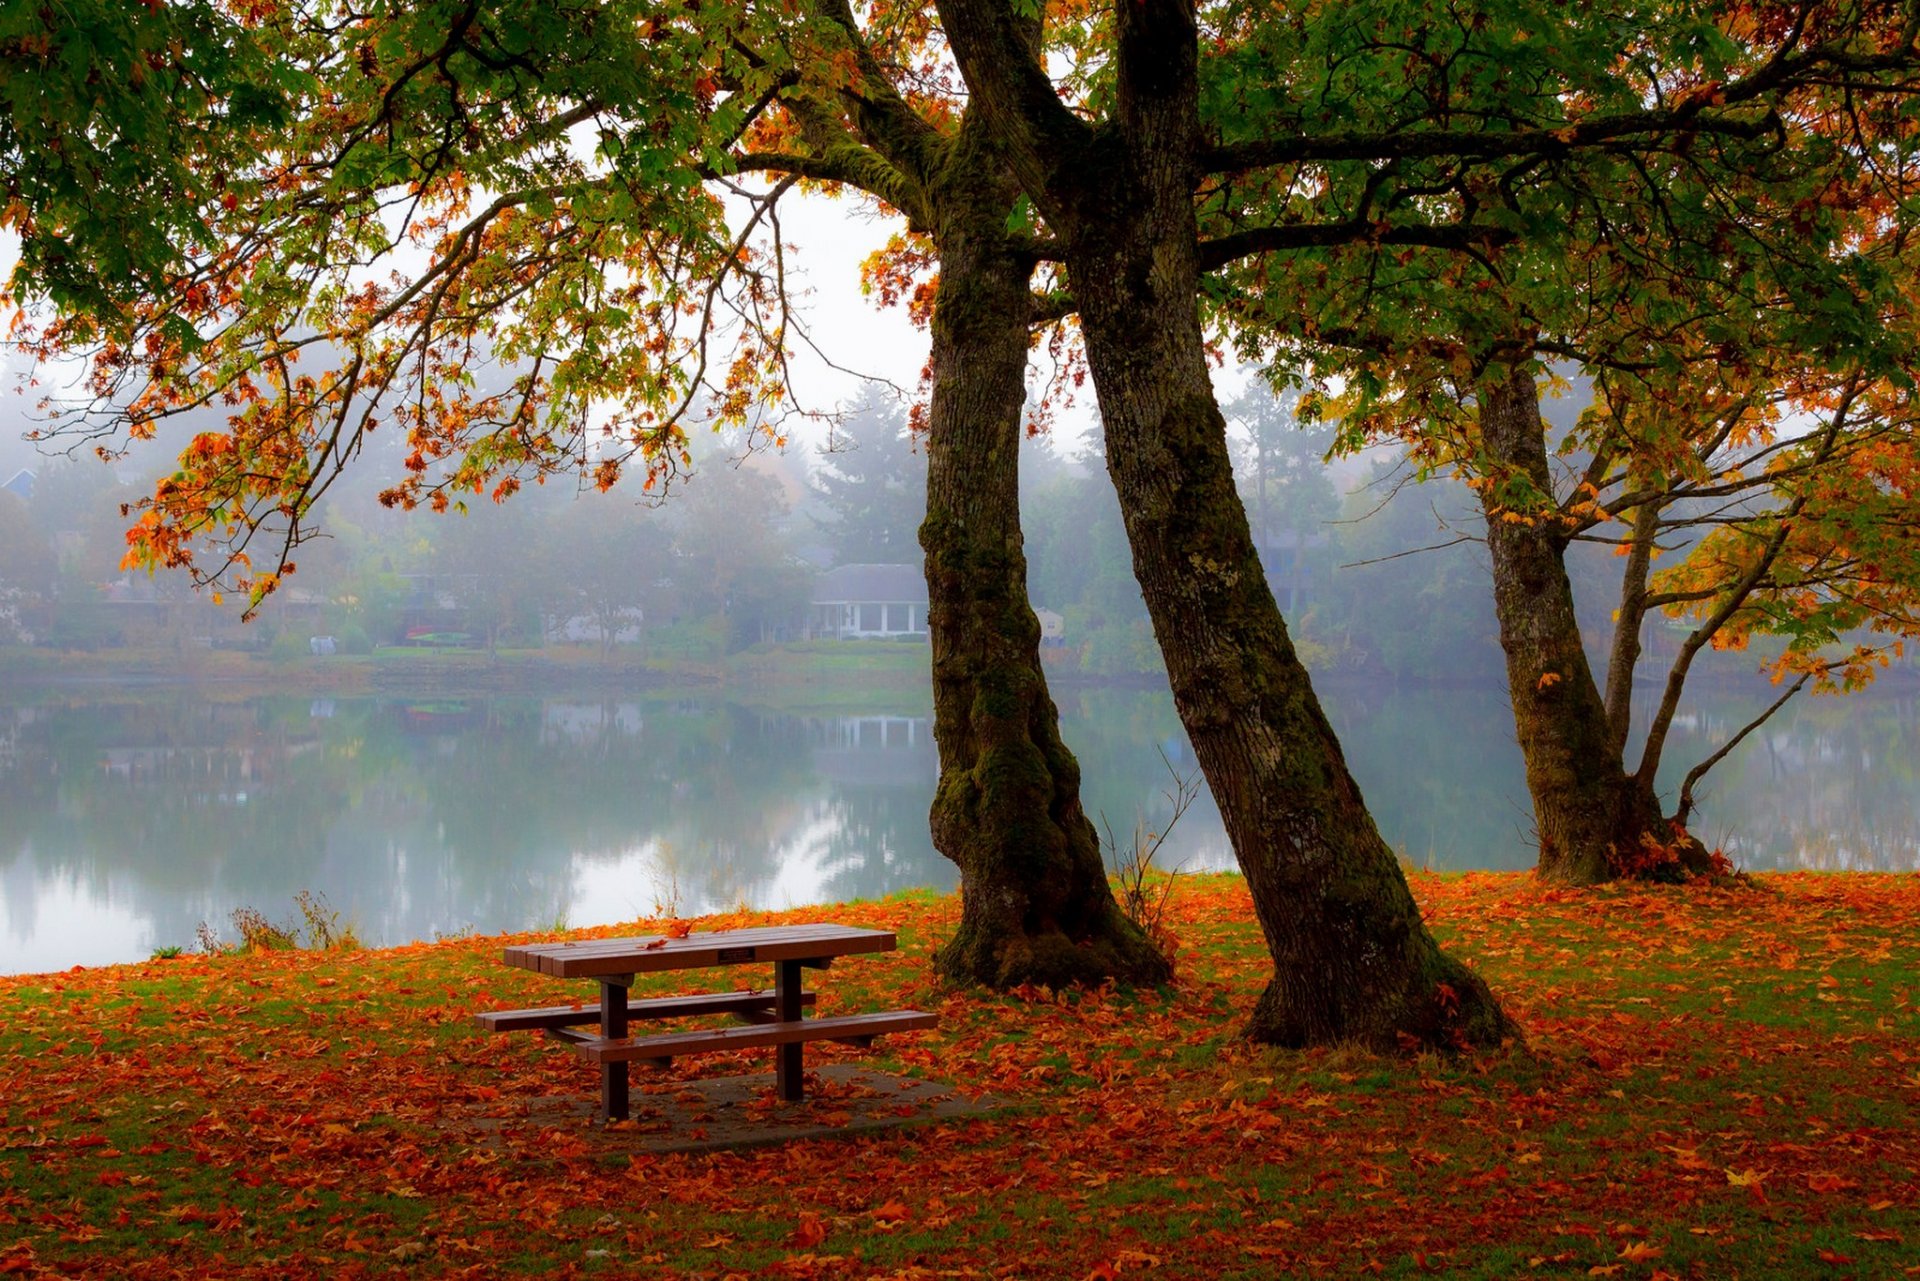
x: 1352, y: 959
x: 1035, y: 903
x: 1596, y: 821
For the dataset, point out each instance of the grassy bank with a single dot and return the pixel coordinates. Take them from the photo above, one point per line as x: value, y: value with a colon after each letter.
x: 1717, y: 1084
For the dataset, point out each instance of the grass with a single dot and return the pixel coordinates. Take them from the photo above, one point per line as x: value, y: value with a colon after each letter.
x: 1715, y: 1083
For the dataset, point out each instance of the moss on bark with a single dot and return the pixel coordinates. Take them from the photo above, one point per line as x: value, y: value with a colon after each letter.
x: 1036, y: 905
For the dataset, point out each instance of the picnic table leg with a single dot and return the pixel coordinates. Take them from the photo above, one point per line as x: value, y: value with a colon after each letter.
x: 613, y: 1076
x: 787, y: 1008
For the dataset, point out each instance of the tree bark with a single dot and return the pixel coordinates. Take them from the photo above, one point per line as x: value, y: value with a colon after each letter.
x: 1035, y: 903
x: 1352, y: 959
x: 1036, y: 906
x: 1594, y: 819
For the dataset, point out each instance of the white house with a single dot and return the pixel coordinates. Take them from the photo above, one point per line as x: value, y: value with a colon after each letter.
x: 869, y: 602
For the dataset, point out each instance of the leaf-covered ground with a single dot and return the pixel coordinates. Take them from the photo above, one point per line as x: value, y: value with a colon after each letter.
x: 1717, y: 1083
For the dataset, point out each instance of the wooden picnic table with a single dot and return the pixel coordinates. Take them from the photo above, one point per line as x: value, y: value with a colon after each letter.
x: 775, y: 1017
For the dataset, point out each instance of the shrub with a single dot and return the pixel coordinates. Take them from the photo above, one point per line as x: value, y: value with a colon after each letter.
x: 1144, y: 888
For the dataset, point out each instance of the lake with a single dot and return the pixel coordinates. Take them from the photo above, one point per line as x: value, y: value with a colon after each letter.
x: 130, y: 817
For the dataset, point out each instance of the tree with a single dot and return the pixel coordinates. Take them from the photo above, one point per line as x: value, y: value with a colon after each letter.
x: 26, y: 565
x: 1352, y: 960
x: 115, y: 122
x: 874, y: 483
x: 1804, y: 537
x: 609, y: 282
x: 731, y: 559
x: 1282, y: 462
x: 1736, y: 259
x: 488, y: 562
x: 1365, y: 136
x: 606, y: 561
x: 1408, y: 600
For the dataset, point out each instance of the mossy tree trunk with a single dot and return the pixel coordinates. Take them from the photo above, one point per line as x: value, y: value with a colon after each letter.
x: 1352, y: 960
x: 1593, y: 816
x: 1036, y: 905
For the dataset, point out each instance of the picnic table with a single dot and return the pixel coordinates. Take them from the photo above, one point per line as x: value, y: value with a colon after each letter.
x: 772, y: 1017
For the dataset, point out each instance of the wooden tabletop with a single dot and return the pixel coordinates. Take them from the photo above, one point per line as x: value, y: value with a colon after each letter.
x: 650, y: 953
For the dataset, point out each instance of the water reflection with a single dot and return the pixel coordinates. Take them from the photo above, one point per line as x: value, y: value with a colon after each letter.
x: 126, y: 820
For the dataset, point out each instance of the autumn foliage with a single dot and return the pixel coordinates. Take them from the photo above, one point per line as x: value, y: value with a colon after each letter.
x: 1719, y: 1082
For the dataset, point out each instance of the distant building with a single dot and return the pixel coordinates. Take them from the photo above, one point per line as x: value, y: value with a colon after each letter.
x: 869, y: 602
x: 20, y: 485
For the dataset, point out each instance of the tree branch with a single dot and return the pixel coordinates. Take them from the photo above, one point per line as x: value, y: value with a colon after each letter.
x: 1473, y: 144
x: 1221, y: 250
x: 1694, y: 775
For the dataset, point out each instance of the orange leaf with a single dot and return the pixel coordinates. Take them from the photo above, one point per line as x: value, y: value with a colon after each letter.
x: 891, y: 1212
x: 811, y: 1232
x: 678, y: 929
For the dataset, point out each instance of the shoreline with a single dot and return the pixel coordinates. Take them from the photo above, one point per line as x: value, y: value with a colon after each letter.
x: 833, y: 669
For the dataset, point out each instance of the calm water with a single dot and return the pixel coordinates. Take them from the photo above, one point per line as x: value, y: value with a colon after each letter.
x: 128, y: 818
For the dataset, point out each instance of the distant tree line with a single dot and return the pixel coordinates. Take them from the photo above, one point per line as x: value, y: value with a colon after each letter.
x: 1385, y: 579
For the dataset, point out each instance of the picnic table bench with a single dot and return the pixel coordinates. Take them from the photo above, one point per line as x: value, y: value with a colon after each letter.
x: 771, y: 1016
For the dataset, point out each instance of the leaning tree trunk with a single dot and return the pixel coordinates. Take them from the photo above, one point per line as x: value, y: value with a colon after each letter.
x: 1352, y: 959
x: 1596, y: 821
x: 1035, y: 903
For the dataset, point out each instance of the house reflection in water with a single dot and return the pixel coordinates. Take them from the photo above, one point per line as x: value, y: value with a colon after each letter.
x: 883, y: 751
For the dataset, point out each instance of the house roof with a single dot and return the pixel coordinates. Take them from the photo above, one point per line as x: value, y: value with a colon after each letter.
x: 893, y: 584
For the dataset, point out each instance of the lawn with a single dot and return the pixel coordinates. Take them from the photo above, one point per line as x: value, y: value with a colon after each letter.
x: 1715, y: 1083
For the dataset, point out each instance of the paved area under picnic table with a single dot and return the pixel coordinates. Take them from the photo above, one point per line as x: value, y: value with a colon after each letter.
x: 715, y: 1113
